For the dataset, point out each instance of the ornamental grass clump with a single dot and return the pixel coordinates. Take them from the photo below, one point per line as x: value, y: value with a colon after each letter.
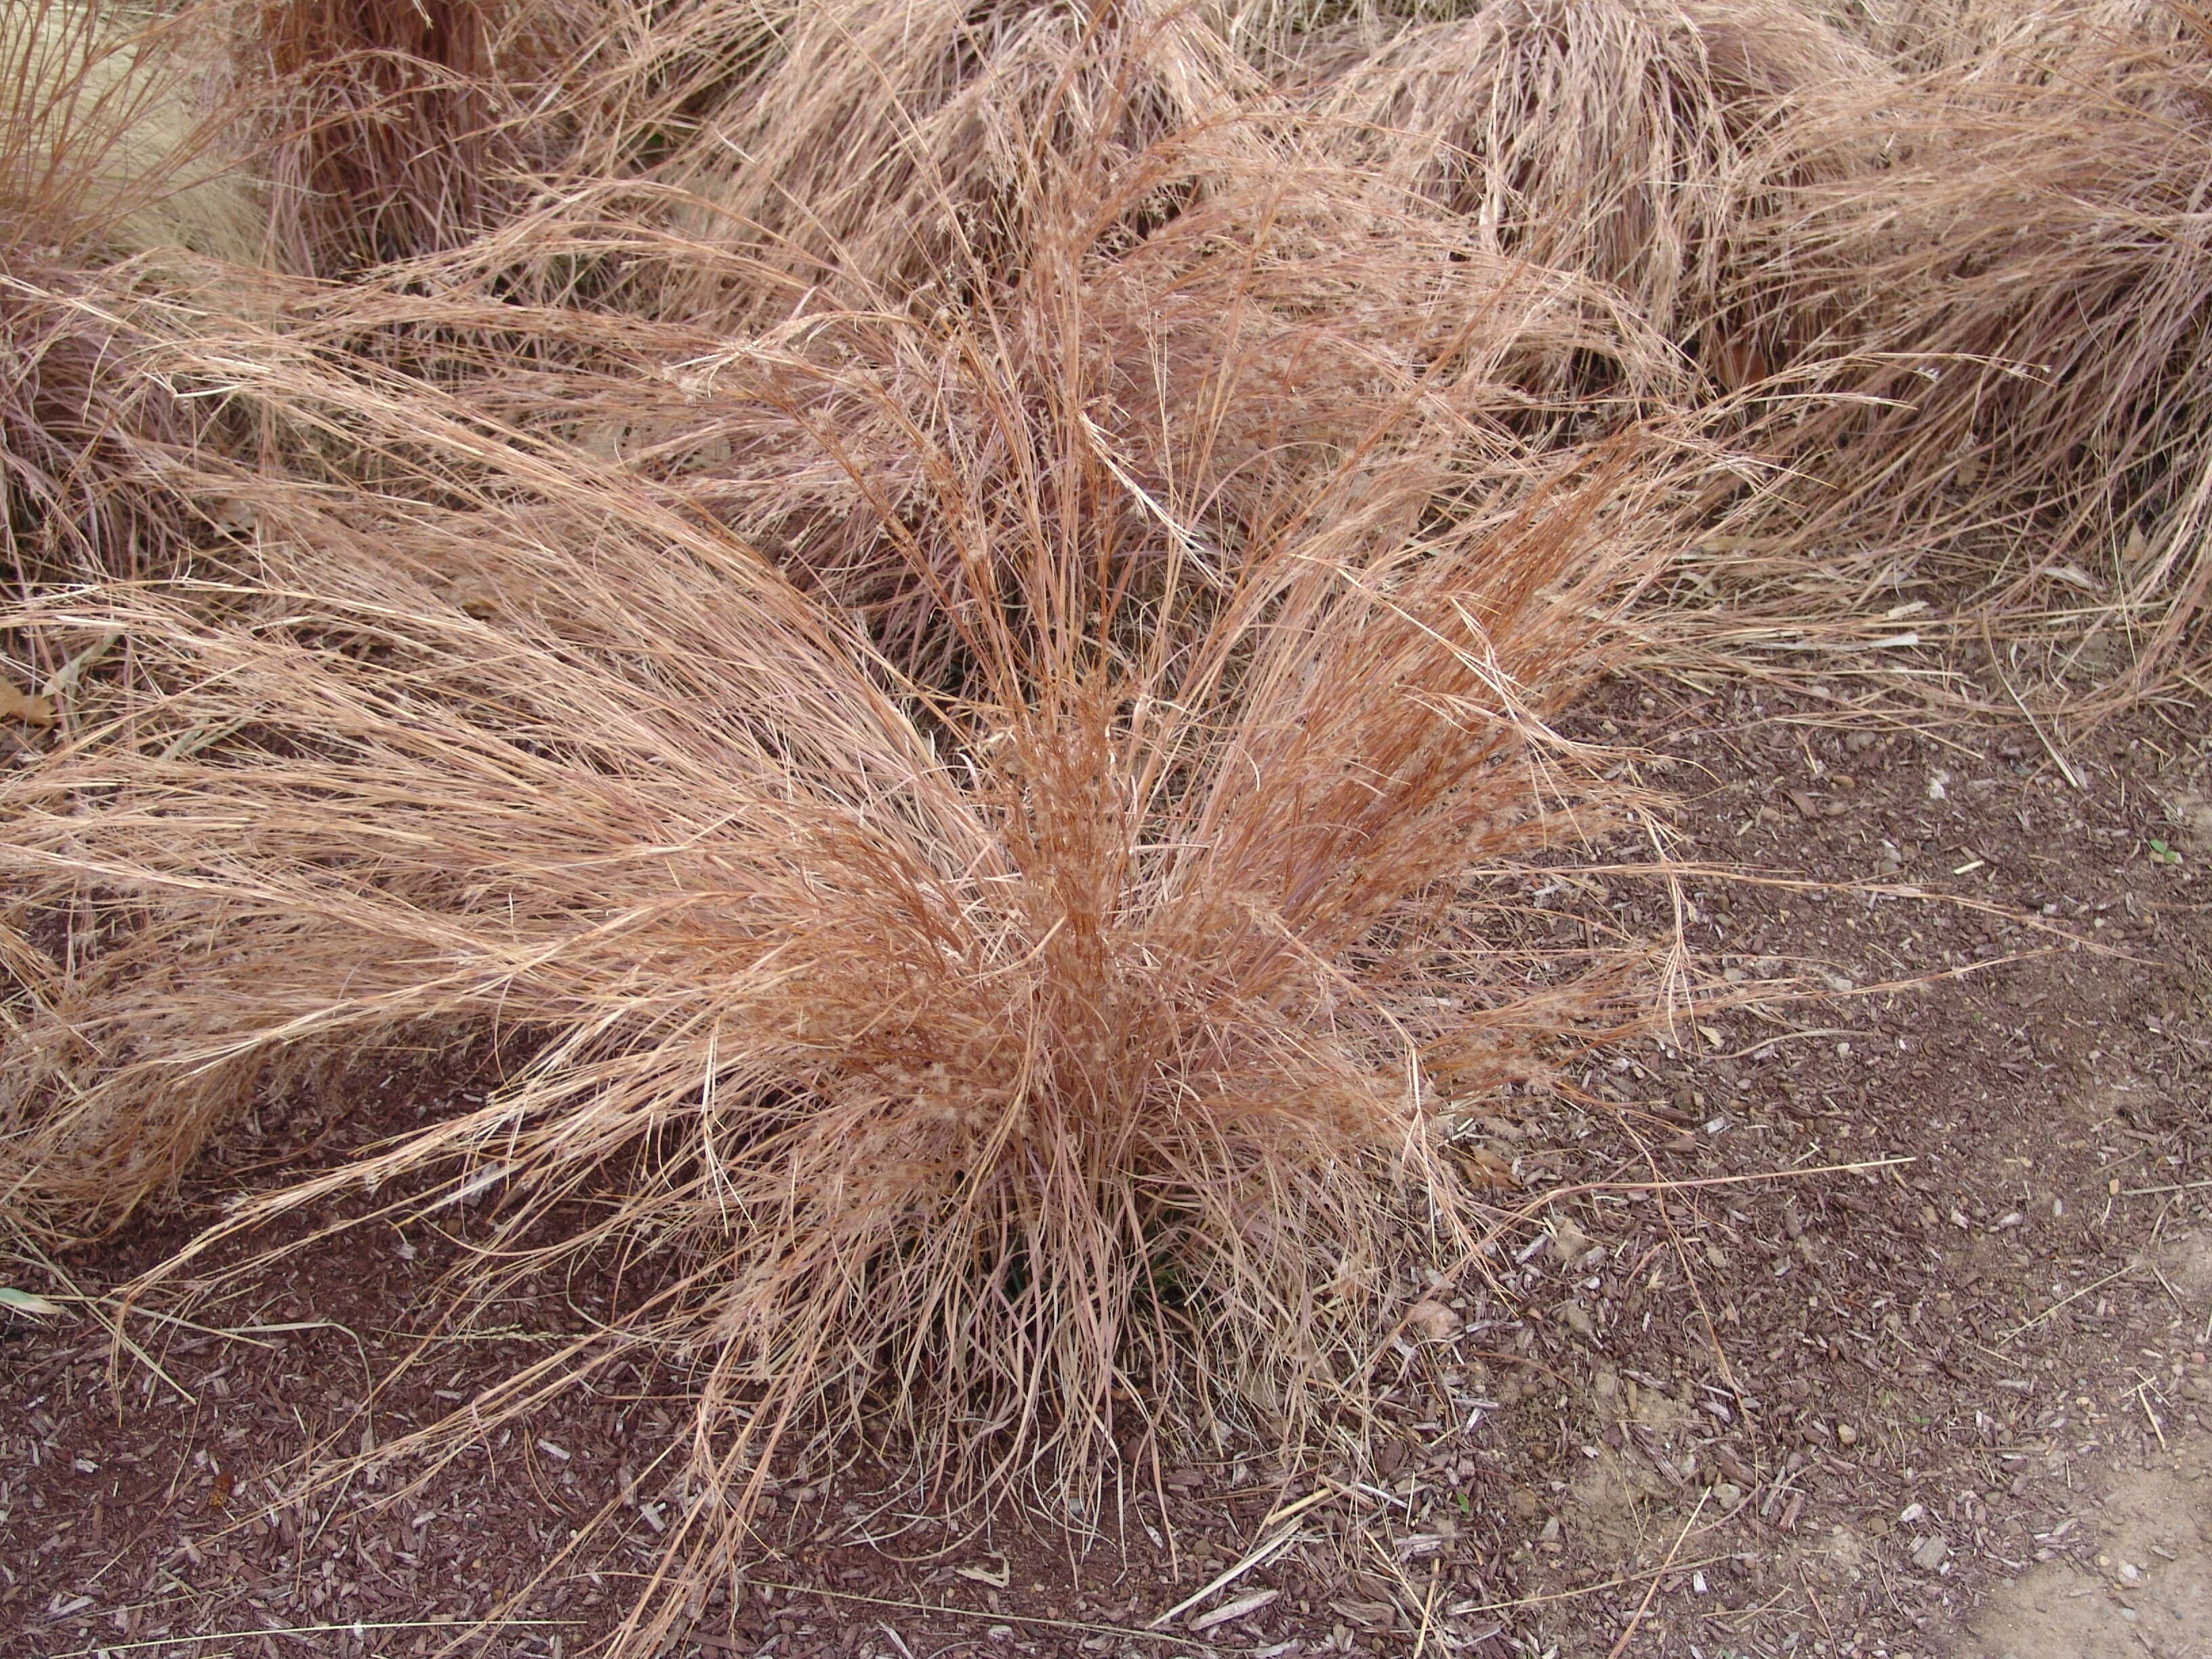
x: 2010, y: 290
x: 1613, y: 140
x: 1006, y: 1034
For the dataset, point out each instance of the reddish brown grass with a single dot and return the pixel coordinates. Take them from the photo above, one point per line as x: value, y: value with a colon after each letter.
x: 2008, y: 295
x: 389, y: 128
x: 1008, y: 1058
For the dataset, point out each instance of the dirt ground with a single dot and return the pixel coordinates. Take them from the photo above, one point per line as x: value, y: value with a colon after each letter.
x: 1873, y: 1320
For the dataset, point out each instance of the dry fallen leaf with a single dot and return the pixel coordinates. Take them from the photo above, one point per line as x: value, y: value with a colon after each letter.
x: 1487, y: 1168
x: 1369, y: 1615
x: 1432, y: 1319
x: 1570, y: 1243
x: 21, y: 706
x: 476, y: 597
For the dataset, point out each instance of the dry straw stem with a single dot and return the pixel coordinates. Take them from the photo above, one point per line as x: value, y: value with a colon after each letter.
x: 1008, y: 1062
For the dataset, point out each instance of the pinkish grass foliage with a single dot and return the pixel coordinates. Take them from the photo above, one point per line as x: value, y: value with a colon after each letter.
x: 1011, y: 1060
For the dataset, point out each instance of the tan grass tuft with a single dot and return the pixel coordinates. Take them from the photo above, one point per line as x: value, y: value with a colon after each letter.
x: 2007, y: 292
x: 1606, y: 139
x: 1006, y: 1061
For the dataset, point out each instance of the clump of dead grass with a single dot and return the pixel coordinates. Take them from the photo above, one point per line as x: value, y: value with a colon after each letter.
x: 2010, y: 42
x: 1009, y: 1048
x: 1946, y: 268
x: 1008, y: 1109
x: 1610, y: 140
x: 1246, y: 365
x: 385, y: 128
x: 904, y: 151
x: 2007, y: 299
x: 79, y: 414
x: 943, y: 617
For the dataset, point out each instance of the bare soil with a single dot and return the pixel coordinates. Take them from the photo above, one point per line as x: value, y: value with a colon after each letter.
x: 1872, y: 1320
